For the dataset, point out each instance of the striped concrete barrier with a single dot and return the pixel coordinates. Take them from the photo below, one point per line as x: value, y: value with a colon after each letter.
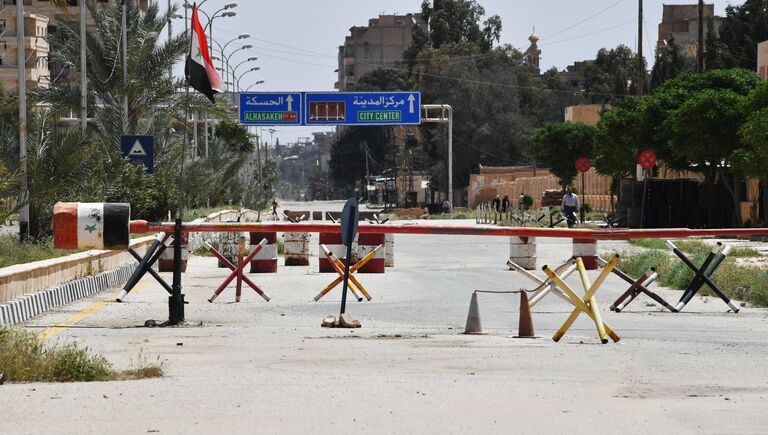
x: 522, y: 251
x: 266, y: 260
x: 587, y: 250
x: 165, y: 263
x: 26, y: 307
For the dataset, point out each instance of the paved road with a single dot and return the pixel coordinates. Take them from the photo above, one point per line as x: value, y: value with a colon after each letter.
x: 258, y: 367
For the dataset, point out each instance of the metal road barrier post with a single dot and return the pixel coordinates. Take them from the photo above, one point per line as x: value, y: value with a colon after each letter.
x: 703, y: 275
x: 338, y: 267
x: 237, y: 271
x: 637, y: 287
x: 544, y: 287
x: 145, y: 264
x: 586, y: 304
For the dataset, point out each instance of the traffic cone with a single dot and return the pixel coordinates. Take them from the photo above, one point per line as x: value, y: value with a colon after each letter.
x: 473, y: 317
x: 525, y: 329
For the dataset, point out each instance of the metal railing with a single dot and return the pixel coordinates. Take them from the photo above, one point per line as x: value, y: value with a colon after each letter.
x: 486, y: 213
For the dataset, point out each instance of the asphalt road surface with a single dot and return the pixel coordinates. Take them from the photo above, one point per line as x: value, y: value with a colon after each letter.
x: 268, y: 367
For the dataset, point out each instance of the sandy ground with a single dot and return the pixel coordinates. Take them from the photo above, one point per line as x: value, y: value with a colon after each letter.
x: 258, y: 367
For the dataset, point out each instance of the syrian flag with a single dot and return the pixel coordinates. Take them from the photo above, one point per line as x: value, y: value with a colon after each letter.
x: 199, y: 69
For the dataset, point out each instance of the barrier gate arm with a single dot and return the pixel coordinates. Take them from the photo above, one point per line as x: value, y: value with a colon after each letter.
x: 140, y: 226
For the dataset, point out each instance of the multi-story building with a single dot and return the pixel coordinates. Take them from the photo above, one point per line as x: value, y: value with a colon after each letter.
x: 762, y: 60
x: 324, y: 141
x: 35, y: 57
x: 379, y: 44
x: 682, y: 23
x: 39, y: 22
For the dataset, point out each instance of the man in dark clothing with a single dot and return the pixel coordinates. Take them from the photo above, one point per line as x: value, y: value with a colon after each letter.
x: 497, y: 203
x: 505, y: 204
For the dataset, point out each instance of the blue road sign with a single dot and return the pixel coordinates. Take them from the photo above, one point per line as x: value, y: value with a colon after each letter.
x: 139, y: 149
x: 271, y: 108
x: 362, y: 108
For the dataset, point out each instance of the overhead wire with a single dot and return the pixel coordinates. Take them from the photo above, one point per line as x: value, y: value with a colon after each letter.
x: 584, y: 20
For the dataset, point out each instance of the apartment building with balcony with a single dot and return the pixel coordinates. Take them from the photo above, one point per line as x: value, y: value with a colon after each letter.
x: 39, y: 21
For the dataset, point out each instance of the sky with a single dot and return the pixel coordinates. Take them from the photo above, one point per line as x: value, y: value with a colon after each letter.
x: 297, y: 41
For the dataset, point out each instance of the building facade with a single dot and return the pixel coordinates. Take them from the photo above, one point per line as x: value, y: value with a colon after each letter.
x: 35, y: 57
x: 379, y: 44
x: 762, y: 60
x: 681, y: 22
x: 39, y: 21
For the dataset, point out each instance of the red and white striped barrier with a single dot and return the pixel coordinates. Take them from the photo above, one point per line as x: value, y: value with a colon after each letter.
x: 364, y: 244
x: 165, y: 263
x: 332, y: 241
x: 265, y: 260
x: 587, y: 250
x: 86, y: 225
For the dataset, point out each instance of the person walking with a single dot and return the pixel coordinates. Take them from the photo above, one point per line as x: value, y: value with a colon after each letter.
x: 497, y: 203
x: 505, y: 204
x: 569, y: 206
x: 274, y: 209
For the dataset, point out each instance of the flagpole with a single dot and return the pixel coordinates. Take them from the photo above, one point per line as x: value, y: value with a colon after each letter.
x: 176, y: 300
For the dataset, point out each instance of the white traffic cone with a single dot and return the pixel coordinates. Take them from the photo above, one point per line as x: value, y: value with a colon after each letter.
x: 473, y: 318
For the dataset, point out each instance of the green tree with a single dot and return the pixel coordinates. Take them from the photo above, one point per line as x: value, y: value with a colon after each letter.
x: 743, y: 27
x: 753, y: 162
x: 612, y: 75
x: 669, y: 63
x: 558, y: 146
x: 458, y: 22
x: 57, y: 166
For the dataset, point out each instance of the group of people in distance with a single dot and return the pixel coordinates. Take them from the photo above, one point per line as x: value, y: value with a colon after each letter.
x: 569, y: 205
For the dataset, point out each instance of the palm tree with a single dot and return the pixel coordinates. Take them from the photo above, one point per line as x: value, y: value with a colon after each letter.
x: 57, y: 167
x: 155, y: 104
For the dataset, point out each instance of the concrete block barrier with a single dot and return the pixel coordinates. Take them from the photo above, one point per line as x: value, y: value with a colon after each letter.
x: 522, y: 251
x: 266, y: 260
x: 587, y: 250
x: 165, y: 263
x: 389, y: 250
x: 296, y: 249
x: 29, y: 306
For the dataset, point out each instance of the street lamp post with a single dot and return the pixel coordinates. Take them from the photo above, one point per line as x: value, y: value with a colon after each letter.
x: 237, y: 83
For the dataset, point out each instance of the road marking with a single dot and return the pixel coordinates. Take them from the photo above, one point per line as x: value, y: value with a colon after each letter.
x: 53, y: 330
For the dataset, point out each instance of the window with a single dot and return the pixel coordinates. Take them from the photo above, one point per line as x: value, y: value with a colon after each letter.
x: 400, y: 23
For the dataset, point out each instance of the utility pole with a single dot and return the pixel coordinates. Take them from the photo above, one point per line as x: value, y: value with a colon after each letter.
x: 83, y: 73
x: 22, y: 77
x: 700, y: 48
x: 125, y: 66
x: 640, y: 72
x: 367, y: 173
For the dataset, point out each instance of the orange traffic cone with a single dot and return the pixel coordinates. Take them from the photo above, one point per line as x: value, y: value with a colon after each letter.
x: 525, y: 329
x: 473, y: 317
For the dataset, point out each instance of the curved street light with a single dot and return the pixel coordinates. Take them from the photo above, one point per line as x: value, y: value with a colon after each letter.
x: 254, y: 84
x: 256, y: 68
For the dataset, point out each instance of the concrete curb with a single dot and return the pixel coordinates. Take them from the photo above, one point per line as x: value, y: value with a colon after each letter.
x: 26, y: 307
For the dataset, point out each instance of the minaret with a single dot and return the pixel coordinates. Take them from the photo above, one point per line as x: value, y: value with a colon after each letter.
x: 533, y: 53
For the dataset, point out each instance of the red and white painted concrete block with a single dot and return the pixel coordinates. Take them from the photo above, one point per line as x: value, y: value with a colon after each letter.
x: 522, y: 251
x: 587, y: 250
x: 165, y: 263
x: 266, y: 260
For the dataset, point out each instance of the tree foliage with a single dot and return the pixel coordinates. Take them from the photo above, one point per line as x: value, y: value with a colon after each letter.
x: 558, y: 145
